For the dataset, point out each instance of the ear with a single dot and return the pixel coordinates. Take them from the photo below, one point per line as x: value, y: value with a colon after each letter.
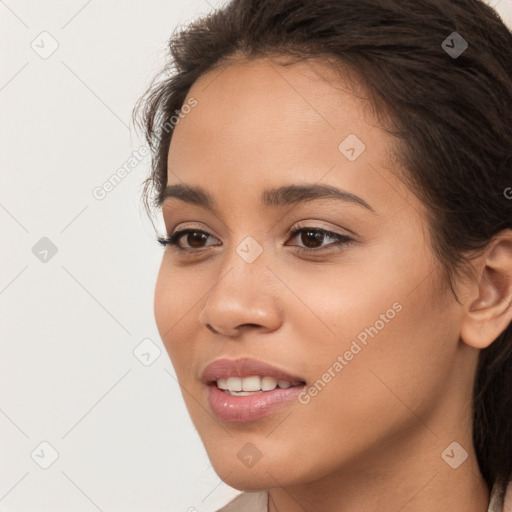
x: 488, y: 306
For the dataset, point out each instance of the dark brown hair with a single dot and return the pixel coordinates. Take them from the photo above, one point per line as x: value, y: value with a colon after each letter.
x: 451, y: 115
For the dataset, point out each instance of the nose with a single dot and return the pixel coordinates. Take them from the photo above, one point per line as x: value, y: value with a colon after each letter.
x: 242, y: 299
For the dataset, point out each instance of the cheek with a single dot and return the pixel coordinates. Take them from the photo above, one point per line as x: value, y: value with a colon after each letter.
x: 367, y: 323
x: 165, y: 302
x: 174, y: 301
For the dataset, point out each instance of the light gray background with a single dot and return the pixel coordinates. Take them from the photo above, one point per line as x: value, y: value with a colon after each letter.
x: 72, y: 373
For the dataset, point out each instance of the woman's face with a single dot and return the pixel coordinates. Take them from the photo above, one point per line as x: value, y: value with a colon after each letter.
x: 367, y: 325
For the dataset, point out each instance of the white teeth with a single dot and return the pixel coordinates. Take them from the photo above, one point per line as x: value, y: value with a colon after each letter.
x: 249, y: 385
x: 234, y: 383
x: 268, y: 383
x: 222, y: 383
x: 240, y: 393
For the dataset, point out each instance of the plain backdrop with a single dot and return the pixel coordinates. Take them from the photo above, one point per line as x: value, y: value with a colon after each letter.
x: 91, y: 416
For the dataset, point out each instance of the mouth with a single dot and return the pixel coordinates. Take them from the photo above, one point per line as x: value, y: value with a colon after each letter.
x: 246, y: 390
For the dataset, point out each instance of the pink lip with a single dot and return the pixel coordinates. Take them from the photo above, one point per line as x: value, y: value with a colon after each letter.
x: 248, y: 408
x: 252, y: 407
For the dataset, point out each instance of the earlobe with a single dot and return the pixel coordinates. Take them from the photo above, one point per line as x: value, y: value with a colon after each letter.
x: 488, y: 308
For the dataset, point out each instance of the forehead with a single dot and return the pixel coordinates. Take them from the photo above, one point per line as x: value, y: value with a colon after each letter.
x: 259, y: 103
x: 257, y: 122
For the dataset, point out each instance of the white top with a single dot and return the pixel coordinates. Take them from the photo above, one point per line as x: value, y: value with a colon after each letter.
x: 500, y: 501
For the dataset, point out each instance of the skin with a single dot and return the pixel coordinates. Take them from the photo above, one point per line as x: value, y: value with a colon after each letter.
x: 372, y: 438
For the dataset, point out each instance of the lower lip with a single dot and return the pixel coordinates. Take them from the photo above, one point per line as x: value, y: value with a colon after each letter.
x: 250, y: 407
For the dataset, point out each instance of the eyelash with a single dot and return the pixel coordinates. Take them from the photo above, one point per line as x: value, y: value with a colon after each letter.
x: 342, y: 240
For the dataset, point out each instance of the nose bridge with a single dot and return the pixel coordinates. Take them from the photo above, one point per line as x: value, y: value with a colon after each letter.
x: 241, y: 294
x: 244, y: 268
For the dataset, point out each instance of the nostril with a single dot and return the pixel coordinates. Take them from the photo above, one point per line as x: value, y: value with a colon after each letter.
x: 211, y: 329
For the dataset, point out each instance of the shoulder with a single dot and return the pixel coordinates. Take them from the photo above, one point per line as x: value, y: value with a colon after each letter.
x: 247, y: 502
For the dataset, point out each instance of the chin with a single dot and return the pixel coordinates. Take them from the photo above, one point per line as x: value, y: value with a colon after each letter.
x: 263, y: 475
x: 247, y: 481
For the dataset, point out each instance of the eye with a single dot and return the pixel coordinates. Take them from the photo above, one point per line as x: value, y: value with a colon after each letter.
x: 195, y: 237
x: 312, y: 237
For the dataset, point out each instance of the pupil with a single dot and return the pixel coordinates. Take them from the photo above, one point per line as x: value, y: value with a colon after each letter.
x: 316, y: 236
x: 198, y: 238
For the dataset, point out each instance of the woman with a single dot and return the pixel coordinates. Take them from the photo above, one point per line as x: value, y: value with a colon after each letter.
x: 335, y: 292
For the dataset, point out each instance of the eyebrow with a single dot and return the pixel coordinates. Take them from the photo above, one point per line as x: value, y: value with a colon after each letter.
x: 274, y: 197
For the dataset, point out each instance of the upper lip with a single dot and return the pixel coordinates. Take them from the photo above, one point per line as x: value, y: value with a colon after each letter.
x: 244, y: 367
